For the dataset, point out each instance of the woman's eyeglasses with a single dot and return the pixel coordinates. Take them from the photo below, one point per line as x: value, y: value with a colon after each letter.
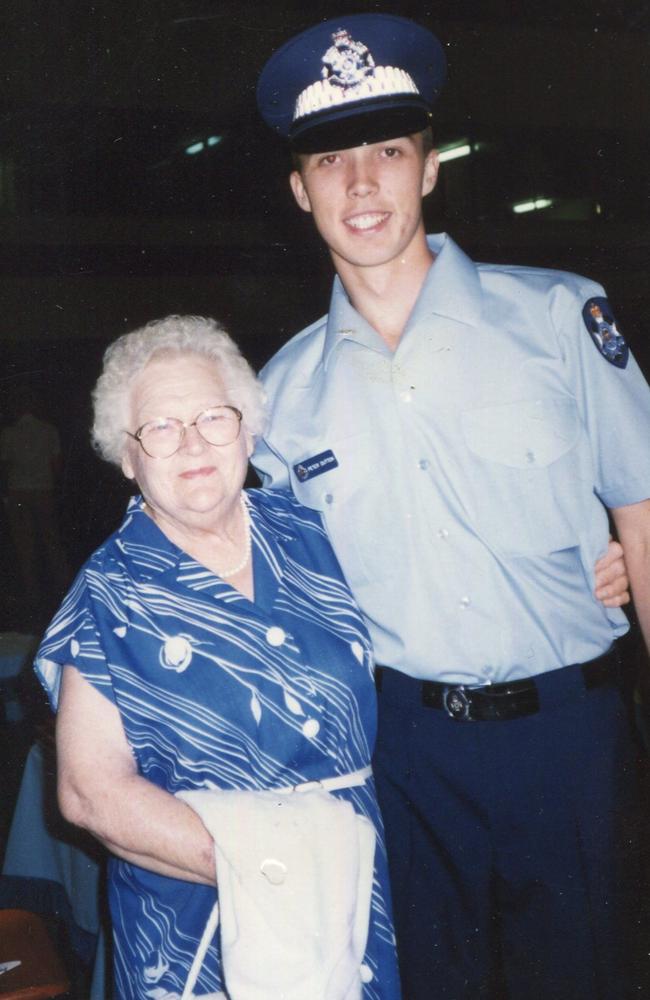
x: 163, y: 436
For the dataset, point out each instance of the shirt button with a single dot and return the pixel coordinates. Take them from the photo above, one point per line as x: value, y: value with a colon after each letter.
x: 329, y: 498
x: 311, y: 728
x: 176, y: 654
x: 530, y: 457
x: 365, y: 973
x: 443, y: 534
x: 275, y: 635
x: 465, y: 602
x: 274, y: 871
x: 423, y: 463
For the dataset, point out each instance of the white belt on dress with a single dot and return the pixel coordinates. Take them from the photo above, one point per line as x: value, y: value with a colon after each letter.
x: 351, y: 780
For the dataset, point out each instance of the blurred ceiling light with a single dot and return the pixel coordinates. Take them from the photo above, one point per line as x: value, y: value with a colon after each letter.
x: 531, y: 206
x: 202, y: 145
x: 454, y: 152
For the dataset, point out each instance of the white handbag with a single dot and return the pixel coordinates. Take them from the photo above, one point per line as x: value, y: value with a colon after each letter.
x: 295, y: 876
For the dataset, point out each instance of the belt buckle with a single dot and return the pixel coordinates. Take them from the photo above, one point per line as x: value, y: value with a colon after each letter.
x: 456, y: 703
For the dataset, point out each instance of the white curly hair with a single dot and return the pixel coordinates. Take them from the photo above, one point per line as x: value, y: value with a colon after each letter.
x: 127, y: 356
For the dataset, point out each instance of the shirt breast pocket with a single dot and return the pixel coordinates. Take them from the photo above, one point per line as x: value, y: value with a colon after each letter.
x: 523, y: 468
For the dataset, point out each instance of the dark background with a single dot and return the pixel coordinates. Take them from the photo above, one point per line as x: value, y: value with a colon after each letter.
x: 106, y: 221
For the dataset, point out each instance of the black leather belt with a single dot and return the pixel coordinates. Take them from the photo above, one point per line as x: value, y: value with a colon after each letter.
x: 512, y: 700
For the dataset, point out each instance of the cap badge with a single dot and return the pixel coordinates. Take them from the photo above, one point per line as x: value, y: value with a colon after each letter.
x: 346, y: 63
x: 349, y: 73
x: 599, y: 320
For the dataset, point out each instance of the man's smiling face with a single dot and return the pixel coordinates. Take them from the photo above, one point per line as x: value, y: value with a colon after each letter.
x: 367, y: 201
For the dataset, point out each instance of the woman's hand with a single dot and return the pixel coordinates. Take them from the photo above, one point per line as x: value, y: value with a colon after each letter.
x: 100, y: 790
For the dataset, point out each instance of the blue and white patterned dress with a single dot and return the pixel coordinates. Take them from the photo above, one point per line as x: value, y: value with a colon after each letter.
x: 214, y: 690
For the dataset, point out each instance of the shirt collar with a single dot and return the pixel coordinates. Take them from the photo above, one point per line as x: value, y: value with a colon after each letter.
x: 152, y: 553
x: 140, y: 538
x: 451, y: 289
x: 345, y: 323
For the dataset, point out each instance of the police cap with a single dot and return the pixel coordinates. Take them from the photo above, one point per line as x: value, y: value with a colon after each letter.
x: 352, y: 80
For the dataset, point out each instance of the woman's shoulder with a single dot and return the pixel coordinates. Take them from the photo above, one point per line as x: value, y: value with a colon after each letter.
x: 282, y: 506
x: 278, y: 516
x: 134, y: 547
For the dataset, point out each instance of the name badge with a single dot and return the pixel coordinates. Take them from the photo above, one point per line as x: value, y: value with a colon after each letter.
x: 315, y: 466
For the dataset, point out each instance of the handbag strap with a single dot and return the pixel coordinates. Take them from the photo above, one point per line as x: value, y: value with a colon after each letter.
x: 208, y: 933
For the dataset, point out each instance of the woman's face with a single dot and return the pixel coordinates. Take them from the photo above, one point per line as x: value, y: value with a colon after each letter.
x: 198, y: 486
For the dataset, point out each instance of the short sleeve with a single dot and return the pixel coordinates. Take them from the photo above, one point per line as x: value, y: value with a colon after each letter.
x: 73, y: 638
x: 271, y: 469
x: 612, y: 391
x: 288, y: 370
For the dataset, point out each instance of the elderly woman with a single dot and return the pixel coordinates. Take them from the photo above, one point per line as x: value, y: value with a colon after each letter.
x: 210, y: 643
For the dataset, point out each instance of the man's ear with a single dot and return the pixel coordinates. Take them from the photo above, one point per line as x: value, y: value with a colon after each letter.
x: 430, y: 175
x: 299, y: 191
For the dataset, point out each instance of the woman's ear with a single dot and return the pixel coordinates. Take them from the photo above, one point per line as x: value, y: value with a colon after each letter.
x: 127, y: 465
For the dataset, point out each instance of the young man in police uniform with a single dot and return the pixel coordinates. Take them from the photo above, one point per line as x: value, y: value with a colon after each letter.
x: 463, y: 428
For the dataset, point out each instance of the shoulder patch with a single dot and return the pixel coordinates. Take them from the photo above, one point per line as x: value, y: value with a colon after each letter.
x: 599, y: 320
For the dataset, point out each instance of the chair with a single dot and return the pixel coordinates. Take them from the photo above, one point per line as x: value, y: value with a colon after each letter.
x: 41, y: 974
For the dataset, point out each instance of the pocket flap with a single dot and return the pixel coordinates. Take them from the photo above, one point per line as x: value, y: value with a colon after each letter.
x: 523, y: 435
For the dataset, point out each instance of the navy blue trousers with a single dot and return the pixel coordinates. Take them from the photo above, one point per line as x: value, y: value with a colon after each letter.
x: 509, y: 844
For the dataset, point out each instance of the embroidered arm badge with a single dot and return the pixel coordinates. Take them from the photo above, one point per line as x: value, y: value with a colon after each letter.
x: 599, y: 320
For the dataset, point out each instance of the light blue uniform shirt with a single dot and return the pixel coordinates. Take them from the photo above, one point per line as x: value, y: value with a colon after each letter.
x: 463, y: 478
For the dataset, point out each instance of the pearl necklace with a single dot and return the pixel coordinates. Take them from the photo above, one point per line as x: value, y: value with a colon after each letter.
x: 233, y: 570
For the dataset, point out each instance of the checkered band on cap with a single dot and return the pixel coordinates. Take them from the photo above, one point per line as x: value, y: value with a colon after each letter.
x: 385, y: 81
